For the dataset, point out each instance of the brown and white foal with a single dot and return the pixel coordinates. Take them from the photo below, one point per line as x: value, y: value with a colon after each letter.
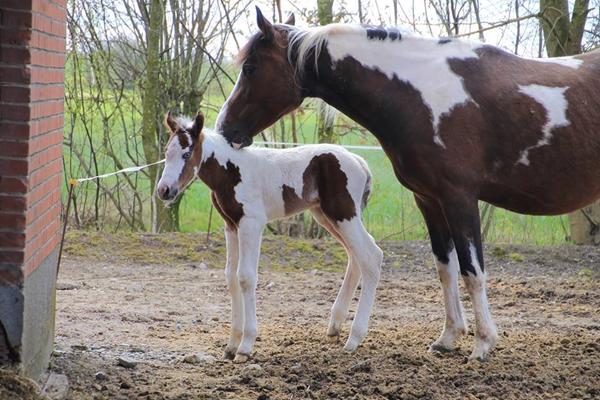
x: 255, y: 185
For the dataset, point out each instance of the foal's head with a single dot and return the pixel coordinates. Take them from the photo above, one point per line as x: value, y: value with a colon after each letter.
x: 266, y: 88
x: 182, y: 155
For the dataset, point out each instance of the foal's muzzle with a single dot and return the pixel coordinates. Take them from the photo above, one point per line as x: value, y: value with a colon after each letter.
x: 166, y: 194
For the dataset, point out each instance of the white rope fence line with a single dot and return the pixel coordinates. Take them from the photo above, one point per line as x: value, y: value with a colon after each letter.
x: 121, y: 171
x: 137, y: 168
x: 291, y: 144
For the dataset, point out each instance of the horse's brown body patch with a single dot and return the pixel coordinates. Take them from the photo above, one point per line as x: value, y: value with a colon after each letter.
x: 222, y: 181
x: 324, y: 176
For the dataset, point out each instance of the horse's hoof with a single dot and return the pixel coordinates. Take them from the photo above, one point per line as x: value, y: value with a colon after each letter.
x: 436, y: 347
x: 241, y: 358
x: 229, y: 355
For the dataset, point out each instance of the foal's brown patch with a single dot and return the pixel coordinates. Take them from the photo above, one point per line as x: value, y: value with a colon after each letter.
x: 292, y: 203
x: 183, y: 138
x: 222, y: 181
x: 325, y: 176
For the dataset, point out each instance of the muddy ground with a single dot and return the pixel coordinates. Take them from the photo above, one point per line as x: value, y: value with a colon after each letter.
x: 156, y: 299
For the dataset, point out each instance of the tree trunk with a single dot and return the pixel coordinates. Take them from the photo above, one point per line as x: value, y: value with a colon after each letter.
x: 162, y: 219
x: 325, y: 11
x: 326, y: 115
x: 563, y: 35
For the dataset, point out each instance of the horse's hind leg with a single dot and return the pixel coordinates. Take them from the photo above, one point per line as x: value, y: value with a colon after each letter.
x: 339, y: 311
x: 369, y: 258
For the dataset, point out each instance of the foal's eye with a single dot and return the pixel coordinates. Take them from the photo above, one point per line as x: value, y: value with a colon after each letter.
x: 187, y: 155
x: 248, y: 69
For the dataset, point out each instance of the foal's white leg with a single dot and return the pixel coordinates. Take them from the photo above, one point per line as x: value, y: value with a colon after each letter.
x: 249, y: 239
x: 455, y: 324
x: 237, y: 307
x: 339, y: 311
x: 369, y: 257
x: 340, y: 308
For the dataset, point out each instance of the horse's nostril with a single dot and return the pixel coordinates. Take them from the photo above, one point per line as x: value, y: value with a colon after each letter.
x: 162, y: 191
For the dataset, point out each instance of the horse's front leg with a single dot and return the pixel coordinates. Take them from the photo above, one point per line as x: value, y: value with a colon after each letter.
x: 233, y: 286
x: 249, y: 239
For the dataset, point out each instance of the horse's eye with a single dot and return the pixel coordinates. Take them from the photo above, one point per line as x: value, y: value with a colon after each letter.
x: 248, y: 69
x: 187, y: 155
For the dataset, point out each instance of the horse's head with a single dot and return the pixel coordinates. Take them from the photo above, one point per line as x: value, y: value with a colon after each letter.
x: 182, y: 156
x: 266, y: 88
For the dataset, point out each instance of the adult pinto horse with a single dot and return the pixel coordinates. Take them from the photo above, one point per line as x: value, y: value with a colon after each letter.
x: 460, y: 121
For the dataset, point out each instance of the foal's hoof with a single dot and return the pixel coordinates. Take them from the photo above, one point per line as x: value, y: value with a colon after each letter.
x: 351, y: 345
x: 228, y: 355
x: 241, y: 358
x: 333, y: 338
x: 479, y: 357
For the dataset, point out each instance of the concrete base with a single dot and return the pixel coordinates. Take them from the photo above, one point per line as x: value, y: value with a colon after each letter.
x: 27, y: 316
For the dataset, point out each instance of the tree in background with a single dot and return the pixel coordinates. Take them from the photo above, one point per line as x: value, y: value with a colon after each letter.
x: 165, y: 217
x: 563, y: 34
x: 130, y: 62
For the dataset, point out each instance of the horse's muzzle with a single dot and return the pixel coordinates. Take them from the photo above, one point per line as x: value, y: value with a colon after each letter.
x: 236, y: 138
x: 166, y: 194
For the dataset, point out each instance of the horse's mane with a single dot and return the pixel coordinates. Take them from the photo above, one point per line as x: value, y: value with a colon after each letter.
x: 304, y: 41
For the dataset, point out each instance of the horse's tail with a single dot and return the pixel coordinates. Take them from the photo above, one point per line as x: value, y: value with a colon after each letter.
x: 368, y: 182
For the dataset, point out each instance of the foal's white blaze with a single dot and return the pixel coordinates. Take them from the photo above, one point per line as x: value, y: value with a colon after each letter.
x: 455, y: 324
x: 555, y: 103
x: 421, y: 62
x: 174, y: 163
x: 485, y: 329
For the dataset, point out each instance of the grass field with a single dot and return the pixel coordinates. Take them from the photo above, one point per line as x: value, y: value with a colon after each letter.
x: 391, y: 213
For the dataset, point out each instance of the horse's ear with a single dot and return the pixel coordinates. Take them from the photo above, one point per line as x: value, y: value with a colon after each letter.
x: 291, y: 20
x: 264, y: 25
x: 170, y: 123
x: 198, y: 124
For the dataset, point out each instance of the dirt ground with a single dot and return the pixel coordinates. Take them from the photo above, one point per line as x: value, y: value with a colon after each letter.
x: 156, y: 299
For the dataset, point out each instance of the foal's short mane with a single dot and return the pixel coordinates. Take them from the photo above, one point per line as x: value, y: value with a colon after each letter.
x: 185, y: 122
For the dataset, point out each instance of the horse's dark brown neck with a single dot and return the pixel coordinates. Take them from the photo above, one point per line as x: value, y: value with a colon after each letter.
x: 392, y: 111
x: 341, y: 89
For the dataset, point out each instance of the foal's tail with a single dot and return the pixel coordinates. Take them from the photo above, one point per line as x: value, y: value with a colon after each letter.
x: 367, y: 190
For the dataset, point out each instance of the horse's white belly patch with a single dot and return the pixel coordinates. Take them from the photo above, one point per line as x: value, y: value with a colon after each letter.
x: 555, y: 103
x: 421, y: 63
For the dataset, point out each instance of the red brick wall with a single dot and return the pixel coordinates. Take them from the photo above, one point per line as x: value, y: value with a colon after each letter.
x: 32, y: 57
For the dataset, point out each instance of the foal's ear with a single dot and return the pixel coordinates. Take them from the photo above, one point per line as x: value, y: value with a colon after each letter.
x: 291, y: 20
x: 198, y: 124
x: 170, y: 123
x: 264, y: 25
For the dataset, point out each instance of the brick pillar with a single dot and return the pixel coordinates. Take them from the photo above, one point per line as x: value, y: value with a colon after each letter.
x: 32, y: 58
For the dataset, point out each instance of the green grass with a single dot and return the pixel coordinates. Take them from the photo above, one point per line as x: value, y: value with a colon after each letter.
x: 391, y: 213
